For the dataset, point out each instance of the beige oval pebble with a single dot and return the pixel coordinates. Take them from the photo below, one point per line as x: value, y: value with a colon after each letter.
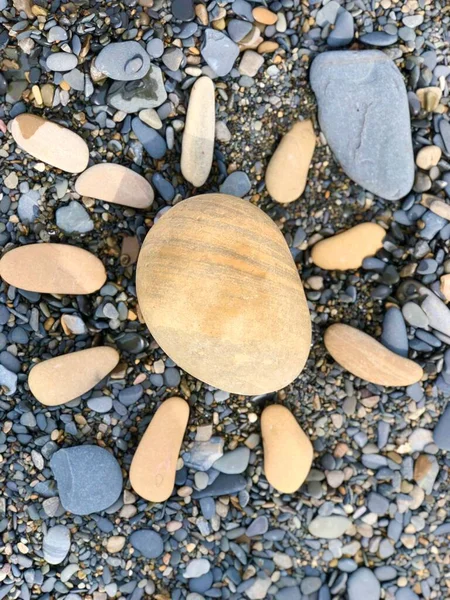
x: 153, y: 468
x: 288, y: 453
x: 347, y: 250
x: 53, y: 144
x: 198, y: 136
x: 114, y: 183
x: 64, y: 378
x: 264, y: 15
x: 53, y: 269
x: 287, y: 171
x: 366, y: 358
x: 445, y: 287
x: 428, y: 157
x: 330, y: 527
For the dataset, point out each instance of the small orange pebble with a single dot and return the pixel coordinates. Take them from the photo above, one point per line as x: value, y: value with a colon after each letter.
x: 264, y: 15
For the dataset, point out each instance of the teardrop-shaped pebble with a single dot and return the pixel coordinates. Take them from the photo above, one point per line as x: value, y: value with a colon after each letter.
x: 64, y: 378
x: 198, y: 136
x: 329, y: 527
x: 364, y: 357
x: 114, y: 183
x: 288, y: 453
x: 347, y: 250
x: 53, y: 144
x: 53, y: 269
x: 153, y: 469
x: 287, y: 171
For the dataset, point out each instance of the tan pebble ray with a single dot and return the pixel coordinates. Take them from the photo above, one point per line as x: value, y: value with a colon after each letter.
x: 348, y: 249
x: 365, y: 357
x: 115, y: 183
x: 288, y: 453
x: 153, y: 468
x: 53, y: 269
x: 61, y: 379
x: 51, y: 143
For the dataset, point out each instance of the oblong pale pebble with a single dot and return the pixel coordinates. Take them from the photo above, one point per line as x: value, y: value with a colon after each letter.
x: 287, y: 172
x: 198, y: 136
x: 330, y: 527
x: 114, y: 183
x: 366, y: 358
x: 53, y: 144
x: 153, y: 468
x: 53, y: 269
x: 63, y: 378
x: 347, y: 250
x: 288, y: 453
x: 428, y: 157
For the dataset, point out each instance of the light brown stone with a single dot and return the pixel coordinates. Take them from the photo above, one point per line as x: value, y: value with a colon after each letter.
x: 347, y: 250
x: 221, y: 295
x: 61, y: 379
x: 115, y: 543
x: 366, y: 358
x: 445, y: 287
x: 53, y: 269
x: 429, y: 98
x: 268, y: 47
x: 114, y: 183
x: 288, y: 453
x: 428, y: 157
x: 198, y: 136
x: 264, y: 15
x: 153, y: 469
x: 440, y: 207
x: 287, y: 171
x: 53, y: 144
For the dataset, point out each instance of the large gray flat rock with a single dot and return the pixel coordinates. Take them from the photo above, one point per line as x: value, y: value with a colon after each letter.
x: 363, y: 112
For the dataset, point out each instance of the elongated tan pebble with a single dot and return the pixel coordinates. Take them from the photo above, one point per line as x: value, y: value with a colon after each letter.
x: 114, y: 183
x: 347, y: 250
x: 264, y: 15
x: 198, y: 136
x: 366, y: 358
x: 287, y: 171
x: 445, y: 287
x: 53, y: 269
x: 288, y: 453
x: 51, y: 143
x: 63, y: 378
x: 153, y: 469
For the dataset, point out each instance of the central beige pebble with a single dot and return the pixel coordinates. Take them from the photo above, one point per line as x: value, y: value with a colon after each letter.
x: 287, y: 172
x: 365, y: 357
x: 114, y: 183
x: 288, y: 453
x: 61, y: 379
x: 153, y: 468
x: 347, y: 250
x: 428, y: 157
x: 198, y: 137
x: 53, y: 144
x: 221, y: 295
x: 53, y: 269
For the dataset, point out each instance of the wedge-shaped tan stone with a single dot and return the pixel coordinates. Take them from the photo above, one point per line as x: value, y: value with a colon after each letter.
x: 153, y: 469
x: 287, y: 171
x: 198, y: 136
x: 53, y: 269
x: 114, y: 183
x: 445, y: 287
x: 288, y: 453
x: 64, y: 378
x: 51, y: 143
x: 347, y: 250
x: 366, y: 358
x: 221, y: 295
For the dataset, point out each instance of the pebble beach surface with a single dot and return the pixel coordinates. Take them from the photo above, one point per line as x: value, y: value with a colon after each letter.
x: 334, y: 487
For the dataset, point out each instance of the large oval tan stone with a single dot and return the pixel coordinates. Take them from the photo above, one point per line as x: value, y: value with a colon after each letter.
x: 53, y: 269
x: 347, y: 250
x: 153, y: 469
x: 288, y: 453
x: 287, y: 172
x: 51, y: 143
x: 220, y: 293
x: 366, y: 358
x: 114, y: 183
x: 64, y: 378
x: 198, y: 136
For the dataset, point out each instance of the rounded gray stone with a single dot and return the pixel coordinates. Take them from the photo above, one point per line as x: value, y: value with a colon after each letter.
x: 362, y: 584
x: 394, y: 335
x: 56, y: 544
x: 441, y: 434
x: 61, y: 61
x: 74, y: 218
x: 236, y: 184
x: 219, y: 51
x: 100, y: 404
x: 233, y: 462
x: 148, y: 542
x: 123, y: 61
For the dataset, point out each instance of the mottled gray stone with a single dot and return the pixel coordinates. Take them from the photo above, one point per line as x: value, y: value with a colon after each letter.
x: 394, y: 335
x: 75, y: 78
x: 362, y: 584
x: 89, y: 478
x: 406, y: 594
x: 133, y: 96
x: 377, y: 503
x: 61, y: 61
x: 237, y: 29
x: 100, y: 404
x: 441, y: 434
x: 378, y: 38
x: 236, y: 184
x: 196, y: 568
x: 414, y: 315
x: 385, y: 573
x: 148, y: 542
x: 155, y: 48
x: 219, y: 51
x: 224, y: 485
x: 258, y: 527
x: 123, y: 61
x: 310, y: 585
x: 437, y: 313
x: 203, y: 455
x: 74, y: 218
x: 364, y: 114
x: 343, y: 31
x: 233, y: 462
x: 153, y: 143
x: 28, y: 206
x: 56, y: 544
x: 8, y: 381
